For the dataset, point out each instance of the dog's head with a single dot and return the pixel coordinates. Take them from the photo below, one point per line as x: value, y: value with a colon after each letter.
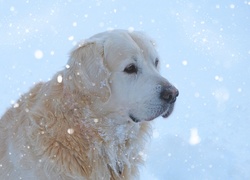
x: 119, y: 70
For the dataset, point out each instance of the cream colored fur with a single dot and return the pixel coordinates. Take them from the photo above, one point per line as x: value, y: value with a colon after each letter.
x: 76, y: 126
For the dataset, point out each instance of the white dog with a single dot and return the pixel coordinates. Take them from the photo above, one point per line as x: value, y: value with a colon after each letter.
x: 92, y: 119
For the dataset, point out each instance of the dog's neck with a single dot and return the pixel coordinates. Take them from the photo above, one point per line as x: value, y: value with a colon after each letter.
x: 118, y: 143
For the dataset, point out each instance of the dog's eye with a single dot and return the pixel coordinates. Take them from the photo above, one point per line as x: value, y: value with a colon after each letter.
x: 131, y: 68
x: 156, y: 62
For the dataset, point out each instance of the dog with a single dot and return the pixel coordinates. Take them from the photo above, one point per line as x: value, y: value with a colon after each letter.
x: 92, y: 119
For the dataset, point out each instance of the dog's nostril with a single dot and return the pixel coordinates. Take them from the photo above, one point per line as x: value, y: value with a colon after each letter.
x: 169, y: 98
x: 169, y: 94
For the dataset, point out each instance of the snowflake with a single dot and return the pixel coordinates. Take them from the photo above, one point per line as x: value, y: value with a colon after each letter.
x: 232, y: 6
x: 184, y: 63
x: 131, y: 29
x: 12, y: 9
x: 194, y: 137
x: 16, y: 105
x: 71, y: 38
x: 218, y: 78
x: 59, y: 78
x: 70, y: 131
x: 38, y: 54
x: 156, y: 134
x: 52, y: 53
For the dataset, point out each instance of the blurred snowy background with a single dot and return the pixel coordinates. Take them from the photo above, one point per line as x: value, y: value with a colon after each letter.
x: 205, y: 51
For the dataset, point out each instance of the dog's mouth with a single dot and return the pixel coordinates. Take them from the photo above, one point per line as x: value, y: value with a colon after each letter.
x: 168, y: 111
x: 134, y: 118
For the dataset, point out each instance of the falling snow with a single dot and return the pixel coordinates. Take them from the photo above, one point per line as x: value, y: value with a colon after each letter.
x: 204, y: 52
x: 38, y: 54
x: 96, y: 120
x: 16, y: 105
x: 184, y: 63
x: 218, y: 78
x: 70, y: 131
x: 59, y: 78
x: 71, y: 38
x: 12, y: 8
x: 131, y: 29
x: 156, y: 134
x: 74, y: 24
x: 232, y: 6
x: 194, y: 137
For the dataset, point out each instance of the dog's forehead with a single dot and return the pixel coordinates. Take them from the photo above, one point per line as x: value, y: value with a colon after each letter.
x: 145, y: 43
x: 123, y: 45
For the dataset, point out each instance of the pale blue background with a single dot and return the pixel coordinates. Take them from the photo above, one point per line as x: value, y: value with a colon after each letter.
x: 205, y: 51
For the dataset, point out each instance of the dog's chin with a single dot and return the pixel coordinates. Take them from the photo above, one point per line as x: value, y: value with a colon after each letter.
x: 165, y: 114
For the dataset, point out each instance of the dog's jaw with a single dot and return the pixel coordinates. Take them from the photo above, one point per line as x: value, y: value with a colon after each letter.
x: 165, y: 114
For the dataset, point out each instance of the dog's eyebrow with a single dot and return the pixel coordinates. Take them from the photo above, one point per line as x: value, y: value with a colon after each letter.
x: 156, y: 61
x: 134, y: 58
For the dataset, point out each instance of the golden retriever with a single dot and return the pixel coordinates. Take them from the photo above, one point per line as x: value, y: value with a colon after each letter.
x: 91, y: 120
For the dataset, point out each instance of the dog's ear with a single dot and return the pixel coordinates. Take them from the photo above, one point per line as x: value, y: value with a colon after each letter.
x: 86, y: 71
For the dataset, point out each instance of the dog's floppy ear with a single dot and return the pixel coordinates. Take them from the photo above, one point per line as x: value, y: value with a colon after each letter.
x: 86, y: 70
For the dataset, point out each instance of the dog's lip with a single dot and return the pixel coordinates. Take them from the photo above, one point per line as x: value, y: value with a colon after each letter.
x: 166, y: 114
x: 169, y: 111
x: 136, y: 120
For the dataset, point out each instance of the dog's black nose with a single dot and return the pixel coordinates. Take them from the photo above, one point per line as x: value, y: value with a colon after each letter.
x: 169, y: 94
